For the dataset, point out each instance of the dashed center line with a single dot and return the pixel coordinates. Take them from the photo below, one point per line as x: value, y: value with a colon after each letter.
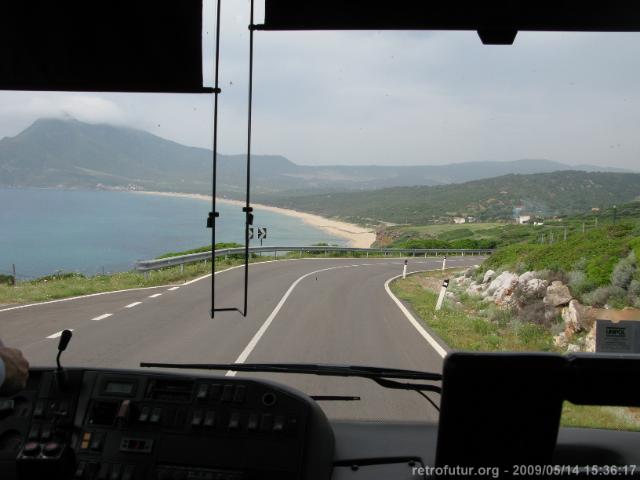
x: 131, y: 305
x: 57, y: 334
x: 102, y: 317
x: 155, y: 295
x: 173, y: 288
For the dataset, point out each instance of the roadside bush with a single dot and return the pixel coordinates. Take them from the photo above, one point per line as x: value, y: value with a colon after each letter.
x: 535, y: 313
x: 634, y: 293
x: 60, y: 276
x: 624, y: 271
x: 579, y: 283
x: 603, y: 295
x: 6, y: 279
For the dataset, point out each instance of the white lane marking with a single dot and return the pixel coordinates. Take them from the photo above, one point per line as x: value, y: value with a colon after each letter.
x: 57, y: 334
x: 102, y: 317
x: 131, y: 305
x: 256, y: 338
x: 172, y: 289
x: 432, y: 341
x: 155, y: 295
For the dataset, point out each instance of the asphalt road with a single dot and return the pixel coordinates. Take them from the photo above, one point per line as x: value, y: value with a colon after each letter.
x: 320, y: 310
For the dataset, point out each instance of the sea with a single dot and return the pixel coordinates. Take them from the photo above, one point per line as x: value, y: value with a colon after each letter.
x: 43, y: 231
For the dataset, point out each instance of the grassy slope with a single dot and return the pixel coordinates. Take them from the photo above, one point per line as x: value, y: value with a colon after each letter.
x: 463, y: 329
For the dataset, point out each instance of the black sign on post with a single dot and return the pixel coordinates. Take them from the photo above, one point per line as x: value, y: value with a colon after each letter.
x: 262, y: 234
x: 250, y: 233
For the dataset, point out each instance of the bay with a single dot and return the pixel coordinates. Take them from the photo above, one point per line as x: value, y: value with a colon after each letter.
x: 47, y: 230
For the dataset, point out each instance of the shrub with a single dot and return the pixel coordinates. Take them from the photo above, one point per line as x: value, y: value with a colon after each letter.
x: 603, y: 295
x: 579, y: 283
x: 634, y: 293
x: 624, y: 271
x: 6, y: 279
x: 536, y: 313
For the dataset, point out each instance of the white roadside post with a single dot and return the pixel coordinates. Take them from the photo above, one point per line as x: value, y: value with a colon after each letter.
x: 443, y: 290
x: 404, y: 270
x: 444, y: 262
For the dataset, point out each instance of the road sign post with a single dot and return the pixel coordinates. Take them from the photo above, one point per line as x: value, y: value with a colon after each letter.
x: 404, y: 270
x: 443, y: 290
x: 444, y: 262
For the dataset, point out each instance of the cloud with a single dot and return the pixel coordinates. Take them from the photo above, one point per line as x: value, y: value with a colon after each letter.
x: 86, y: 108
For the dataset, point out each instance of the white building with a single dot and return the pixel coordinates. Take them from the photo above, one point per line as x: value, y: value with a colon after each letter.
x: 459, y: 219
x: 524, y: 219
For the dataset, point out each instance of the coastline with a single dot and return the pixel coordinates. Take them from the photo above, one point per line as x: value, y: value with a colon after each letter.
x: 356, y: 235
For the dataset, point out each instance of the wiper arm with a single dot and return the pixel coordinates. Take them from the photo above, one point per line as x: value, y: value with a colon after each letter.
x: 380, y: 375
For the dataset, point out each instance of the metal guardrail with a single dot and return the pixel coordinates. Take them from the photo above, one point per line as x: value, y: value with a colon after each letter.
x: 147, y: 265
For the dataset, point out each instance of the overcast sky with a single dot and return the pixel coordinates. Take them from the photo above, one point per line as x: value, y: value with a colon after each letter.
x: 390, y: 97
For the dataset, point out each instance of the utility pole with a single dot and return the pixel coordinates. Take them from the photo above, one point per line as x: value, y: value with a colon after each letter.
x: 15, y: 280
x: 615, y: 212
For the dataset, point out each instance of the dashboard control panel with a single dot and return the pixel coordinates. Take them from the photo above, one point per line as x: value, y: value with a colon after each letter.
x: 128, y: 425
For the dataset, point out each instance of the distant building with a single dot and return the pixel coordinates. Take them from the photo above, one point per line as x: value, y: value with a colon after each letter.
x: 524, y: 219
x: 595, y: 209
x: 471, y: 219
x: 459, y: 220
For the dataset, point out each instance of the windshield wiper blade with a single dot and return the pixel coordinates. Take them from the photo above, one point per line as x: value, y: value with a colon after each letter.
x: 306, y: 369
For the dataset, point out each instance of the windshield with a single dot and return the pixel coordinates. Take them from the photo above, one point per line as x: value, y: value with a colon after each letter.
x: 414, y: 193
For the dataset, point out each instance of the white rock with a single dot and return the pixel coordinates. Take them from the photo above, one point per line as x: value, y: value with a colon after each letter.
x: 533, y: 288
x: 573, y: 318
x: 526, y: 276
x: 572, y: 348
x: 474, y: 289
x: 488, y: 276
x: 557, y: 294
x: 502, y: 287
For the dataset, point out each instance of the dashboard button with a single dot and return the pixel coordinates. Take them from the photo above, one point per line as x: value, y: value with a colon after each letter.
x: 144, y: 414
x: 155, y: 415
x: 278, y: 423
x: 97, y: 439
x: 34, y: 433
x: 266, y: 422
x: 52, y: 449
x: 216, y: 389
x: 31, y: 449
x: 196, y: 420
x: 80, y: 470
x: 128, y: 472
x: 239, y: 394
x: 116, y: 471
x: 203, y: 390
x: 254, y: 422
x: 38, y: 411
x: 227, y: 393
x: 46, y: 432
x: 209, y: 419
x: 234, y: 421
x: 103, y: 473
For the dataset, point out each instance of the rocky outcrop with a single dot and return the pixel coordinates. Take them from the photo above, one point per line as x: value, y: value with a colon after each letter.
x: 502, y: 287
x: 488, y: 276
x: 574, y: 318
x: 557, y: 294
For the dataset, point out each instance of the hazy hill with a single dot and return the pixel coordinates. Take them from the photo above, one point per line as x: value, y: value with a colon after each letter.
x: 72, y: 154
x: 544, y: 194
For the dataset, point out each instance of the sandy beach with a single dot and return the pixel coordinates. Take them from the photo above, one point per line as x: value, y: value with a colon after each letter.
x: 356, y: 235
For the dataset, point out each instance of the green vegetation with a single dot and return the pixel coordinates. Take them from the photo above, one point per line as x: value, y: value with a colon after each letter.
x: 469, y: 327
x: 474, y: 326
x: 542, y: 194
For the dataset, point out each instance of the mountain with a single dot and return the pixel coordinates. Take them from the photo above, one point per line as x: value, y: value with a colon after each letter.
x: 73, y: 154
x: 498, y: 198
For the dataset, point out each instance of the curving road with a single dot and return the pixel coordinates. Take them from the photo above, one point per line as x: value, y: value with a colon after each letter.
x: 308, y: 310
